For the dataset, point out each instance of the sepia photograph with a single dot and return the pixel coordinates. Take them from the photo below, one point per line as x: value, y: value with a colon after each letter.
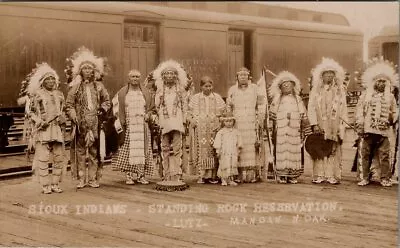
x: 199, y: 124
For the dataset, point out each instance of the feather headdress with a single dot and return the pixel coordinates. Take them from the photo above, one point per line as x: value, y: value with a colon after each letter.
x: 376, y: 68
x: 34, y: 80
x: 80, y: 58
x: 183, y: 78
x: 284, y: 76
x: 327, y: 64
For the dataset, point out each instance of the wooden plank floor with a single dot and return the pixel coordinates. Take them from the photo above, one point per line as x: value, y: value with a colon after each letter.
x: 344, y: 215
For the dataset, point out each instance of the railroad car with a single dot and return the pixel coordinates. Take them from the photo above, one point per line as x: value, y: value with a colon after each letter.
x: 385, y: 44
x: 208, y: 38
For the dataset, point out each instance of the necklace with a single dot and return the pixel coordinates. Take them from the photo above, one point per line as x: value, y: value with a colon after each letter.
x: 177, y: 101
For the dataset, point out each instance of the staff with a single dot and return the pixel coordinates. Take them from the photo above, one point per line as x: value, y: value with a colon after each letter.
x: 271, y: 161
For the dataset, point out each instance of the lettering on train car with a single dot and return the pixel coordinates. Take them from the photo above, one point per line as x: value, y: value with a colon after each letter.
x: 198, y: 67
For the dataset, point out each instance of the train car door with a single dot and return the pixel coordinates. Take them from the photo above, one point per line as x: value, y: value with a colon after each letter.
x: 390, y: 51
x: 235, y: 53
x: 140, y: 48
x: 239, y: 52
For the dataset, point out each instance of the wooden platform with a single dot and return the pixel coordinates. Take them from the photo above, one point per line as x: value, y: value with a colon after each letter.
x: 119, y: 215
x: 250, y: 215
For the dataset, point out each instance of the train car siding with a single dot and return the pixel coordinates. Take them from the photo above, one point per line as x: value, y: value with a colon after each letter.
x: 141, y: 36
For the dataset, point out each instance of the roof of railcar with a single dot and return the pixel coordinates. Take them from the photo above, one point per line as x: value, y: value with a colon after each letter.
x: 130, y: 9
x: 387, y: 32
x: 258, y: 9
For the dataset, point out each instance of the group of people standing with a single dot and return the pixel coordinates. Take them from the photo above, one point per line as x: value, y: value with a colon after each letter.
x: 46, y: 112
x: 225, y: 137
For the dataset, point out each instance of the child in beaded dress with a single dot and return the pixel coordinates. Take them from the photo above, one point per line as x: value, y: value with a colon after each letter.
x: 228, y: 144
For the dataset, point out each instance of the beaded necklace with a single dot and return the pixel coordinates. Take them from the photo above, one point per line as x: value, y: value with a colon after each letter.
x: 177, y: 101
x: 380, y: 112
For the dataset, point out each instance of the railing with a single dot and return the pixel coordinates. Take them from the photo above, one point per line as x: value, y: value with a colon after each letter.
x: 16, y: 143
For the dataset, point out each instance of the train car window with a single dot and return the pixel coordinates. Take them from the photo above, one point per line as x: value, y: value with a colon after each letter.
x: 145, y: 34
x: 150, y: 34
x: 126, y: 33
x: 238, y: 40
x: 139, y: 34
x: 235, y: 38
x: 231, y: 39
x: 130, y: 33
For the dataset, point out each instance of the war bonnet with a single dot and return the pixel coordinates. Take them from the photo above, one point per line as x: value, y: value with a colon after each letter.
x: 327, y: 64
x: 284, y: 76
x: 171, y: 65
x: 81, y: 58
x: 379, y: 68
x: 34, y: 80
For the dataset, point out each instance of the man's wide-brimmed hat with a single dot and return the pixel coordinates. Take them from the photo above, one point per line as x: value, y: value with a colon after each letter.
x: 318, y: 147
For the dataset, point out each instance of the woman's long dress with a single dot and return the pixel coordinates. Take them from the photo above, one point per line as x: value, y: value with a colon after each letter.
x: 135, y: 155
